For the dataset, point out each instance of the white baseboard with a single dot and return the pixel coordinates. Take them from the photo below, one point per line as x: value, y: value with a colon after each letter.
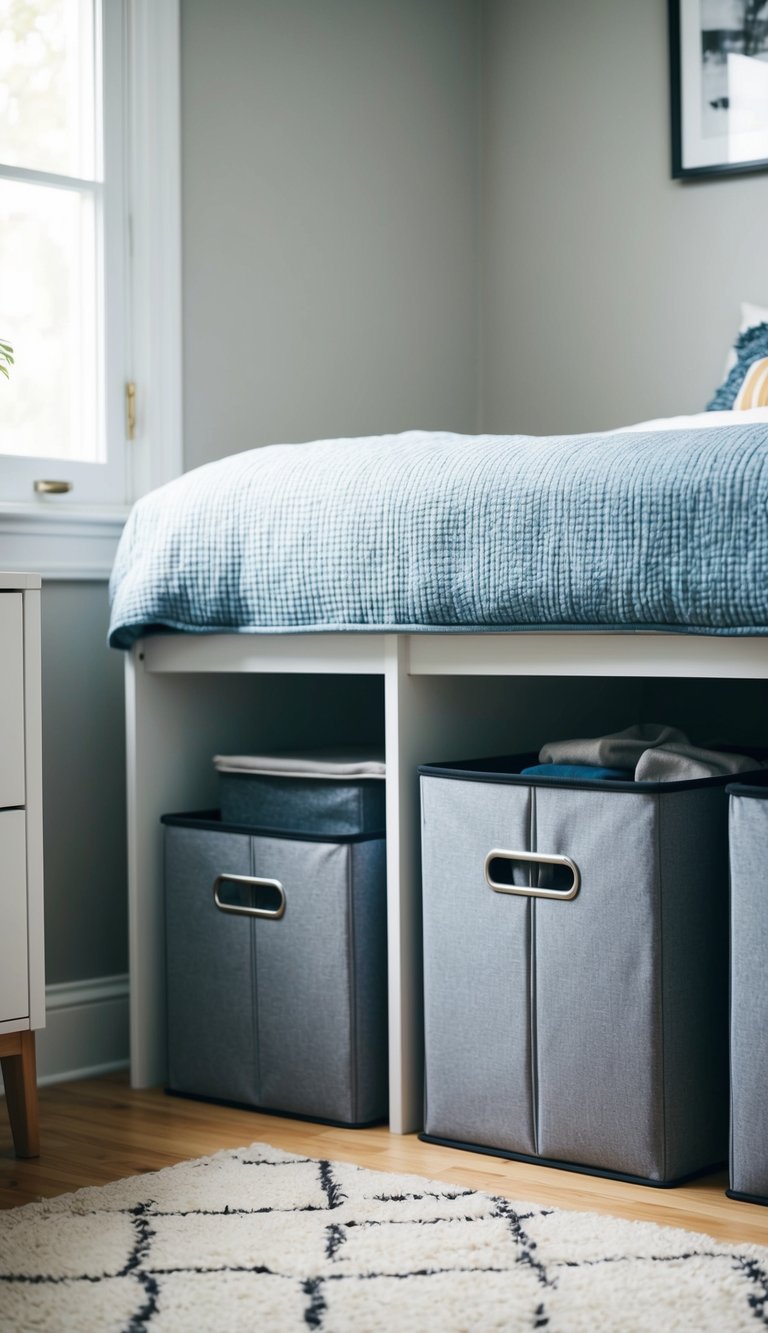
x: 86, y: 1031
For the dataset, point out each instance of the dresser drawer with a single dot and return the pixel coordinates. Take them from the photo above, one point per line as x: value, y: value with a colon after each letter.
x: 11, y: 701
x: 14, y: 976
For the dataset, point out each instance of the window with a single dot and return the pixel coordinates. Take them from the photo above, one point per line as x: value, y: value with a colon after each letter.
x: 62, y: 242
x: 89, y: 252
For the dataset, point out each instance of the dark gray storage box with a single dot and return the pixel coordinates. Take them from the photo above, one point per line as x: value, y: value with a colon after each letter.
x: 326, y: 800
x: 748, y: 830
x: 277, y: 992
x: 586, y: 1029
x: 331, y: 806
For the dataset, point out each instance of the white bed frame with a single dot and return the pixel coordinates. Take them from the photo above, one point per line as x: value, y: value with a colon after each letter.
x: 444, y: 696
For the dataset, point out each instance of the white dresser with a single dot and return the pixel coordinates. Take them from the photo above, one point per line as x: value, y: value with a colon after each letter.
x: 22, y: 972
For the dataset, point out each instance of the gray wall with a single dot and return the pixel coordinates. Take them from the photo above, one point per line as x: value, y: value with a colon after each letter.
x: 456, y: 213
x: 83, y: 786
x: 330, y: 219
x: 610, y: 292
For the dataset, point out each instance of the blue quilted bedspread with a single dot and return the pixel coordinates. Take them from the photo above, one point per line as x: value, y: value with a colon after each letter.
x: 427, y: 531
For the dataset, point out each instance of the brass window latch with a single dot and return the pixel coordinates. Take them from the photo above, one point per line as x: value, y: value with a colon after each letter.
x: 130, y: 410
x: 52, y: 487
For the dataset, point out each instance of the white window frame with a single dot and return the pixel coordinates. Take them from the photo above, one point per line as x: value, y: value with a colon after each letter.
x: 56, y: 536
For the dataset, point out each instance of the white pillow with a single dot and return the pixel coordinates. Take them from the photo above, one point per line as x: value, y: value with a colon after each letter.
x: 750, y: 315
x: 702, y: 420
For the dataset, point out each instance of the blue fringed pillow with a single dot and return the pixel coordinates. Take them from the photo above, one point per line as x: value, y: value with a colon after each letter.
x: 750, y: 346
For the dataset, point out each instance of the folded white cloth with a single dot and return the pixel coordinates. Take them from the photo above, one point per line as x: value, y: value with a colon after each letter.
x: 656, y: 753
x: 340, y: 762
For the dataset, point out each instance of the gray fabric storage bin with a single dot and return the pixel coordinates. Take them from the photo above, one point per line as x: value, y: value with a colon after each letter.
x: 748, y: 831
x: 588, y: 1032
x: 286, y: 1011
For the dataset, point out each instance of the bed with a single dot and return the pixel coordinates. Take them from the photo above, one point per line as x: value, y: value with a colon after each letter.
x: 459, y: 572
x: 659, y: 527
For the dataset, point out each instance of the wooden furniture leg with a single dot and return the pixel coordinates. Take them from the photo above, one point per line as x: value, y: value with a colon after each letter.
x: 17, y: 1059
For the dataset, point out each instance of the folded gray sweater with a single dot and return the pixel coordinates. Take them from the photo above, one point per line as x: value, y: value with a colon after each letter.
x: 657, y: 753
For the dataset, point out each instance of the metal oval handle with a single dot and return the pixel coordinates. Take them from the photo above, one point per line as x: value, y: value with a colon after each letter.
x: 267, y: 913
x: 534, y: 858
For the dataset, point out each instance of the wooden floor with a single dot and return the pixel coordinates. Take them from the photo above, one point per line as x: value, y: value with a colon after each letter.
x: 100, y: 1130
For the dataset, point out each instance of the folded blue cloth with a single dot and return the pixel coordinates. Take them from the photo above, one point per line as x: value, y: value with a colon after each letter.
x: 589, y: 771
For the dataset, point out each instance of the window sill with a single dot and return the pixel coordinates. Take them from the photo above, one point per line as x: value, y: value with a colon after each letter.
x: 58, y: 542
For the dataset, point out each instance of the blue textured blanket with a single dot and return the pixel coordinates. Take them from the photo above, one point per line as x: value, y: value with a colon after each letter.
x: 427, y: 531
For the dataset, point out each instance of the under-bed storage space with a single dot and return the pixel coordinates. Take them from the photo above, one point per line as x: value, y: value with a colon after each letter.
x: 422, y: 697
x: 276, y: 970
x: 576, y: 1010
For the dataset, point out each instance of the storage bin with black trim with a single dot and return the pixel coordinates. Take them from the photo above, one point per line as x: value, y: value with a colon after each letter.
x: 575, y: 957
x: 748, y: 831
x: 276, y: 969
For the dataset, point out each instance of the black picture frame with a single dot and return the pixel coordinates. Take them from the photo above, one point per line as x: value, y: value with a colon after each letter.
x: 719, y: 90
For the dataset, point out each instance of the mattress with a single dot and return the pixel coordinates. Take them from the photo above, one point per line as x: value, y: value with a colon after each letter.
x: 663, y: 526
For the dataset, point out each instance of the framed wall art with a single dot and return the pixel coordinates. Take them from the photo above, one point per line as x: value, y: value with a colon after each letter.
x: 719, y: 82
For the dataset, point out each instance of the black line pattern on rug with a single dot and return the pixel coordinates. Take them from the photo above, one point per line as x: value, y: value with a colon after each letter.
x: 142, y: 1317
x: 259, y: 1270
x: 526, y: 1247
x: 335, y: 1236
x: 226, y: 1211
x: 135, y: 1266
x: 752, y: 1270
x: 525, y: 1243
x: 333, y: 1191
x: 204, y: 1270
x: 254, y: 1161
x: 472, y: 1271
x: 647, y: 1259
x: 395, y: 1222
x: 313, y: 1315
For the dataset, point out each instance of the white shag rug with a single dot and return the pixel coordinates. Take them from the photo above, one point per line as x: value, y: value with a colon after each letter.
x: 259, y: 1239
